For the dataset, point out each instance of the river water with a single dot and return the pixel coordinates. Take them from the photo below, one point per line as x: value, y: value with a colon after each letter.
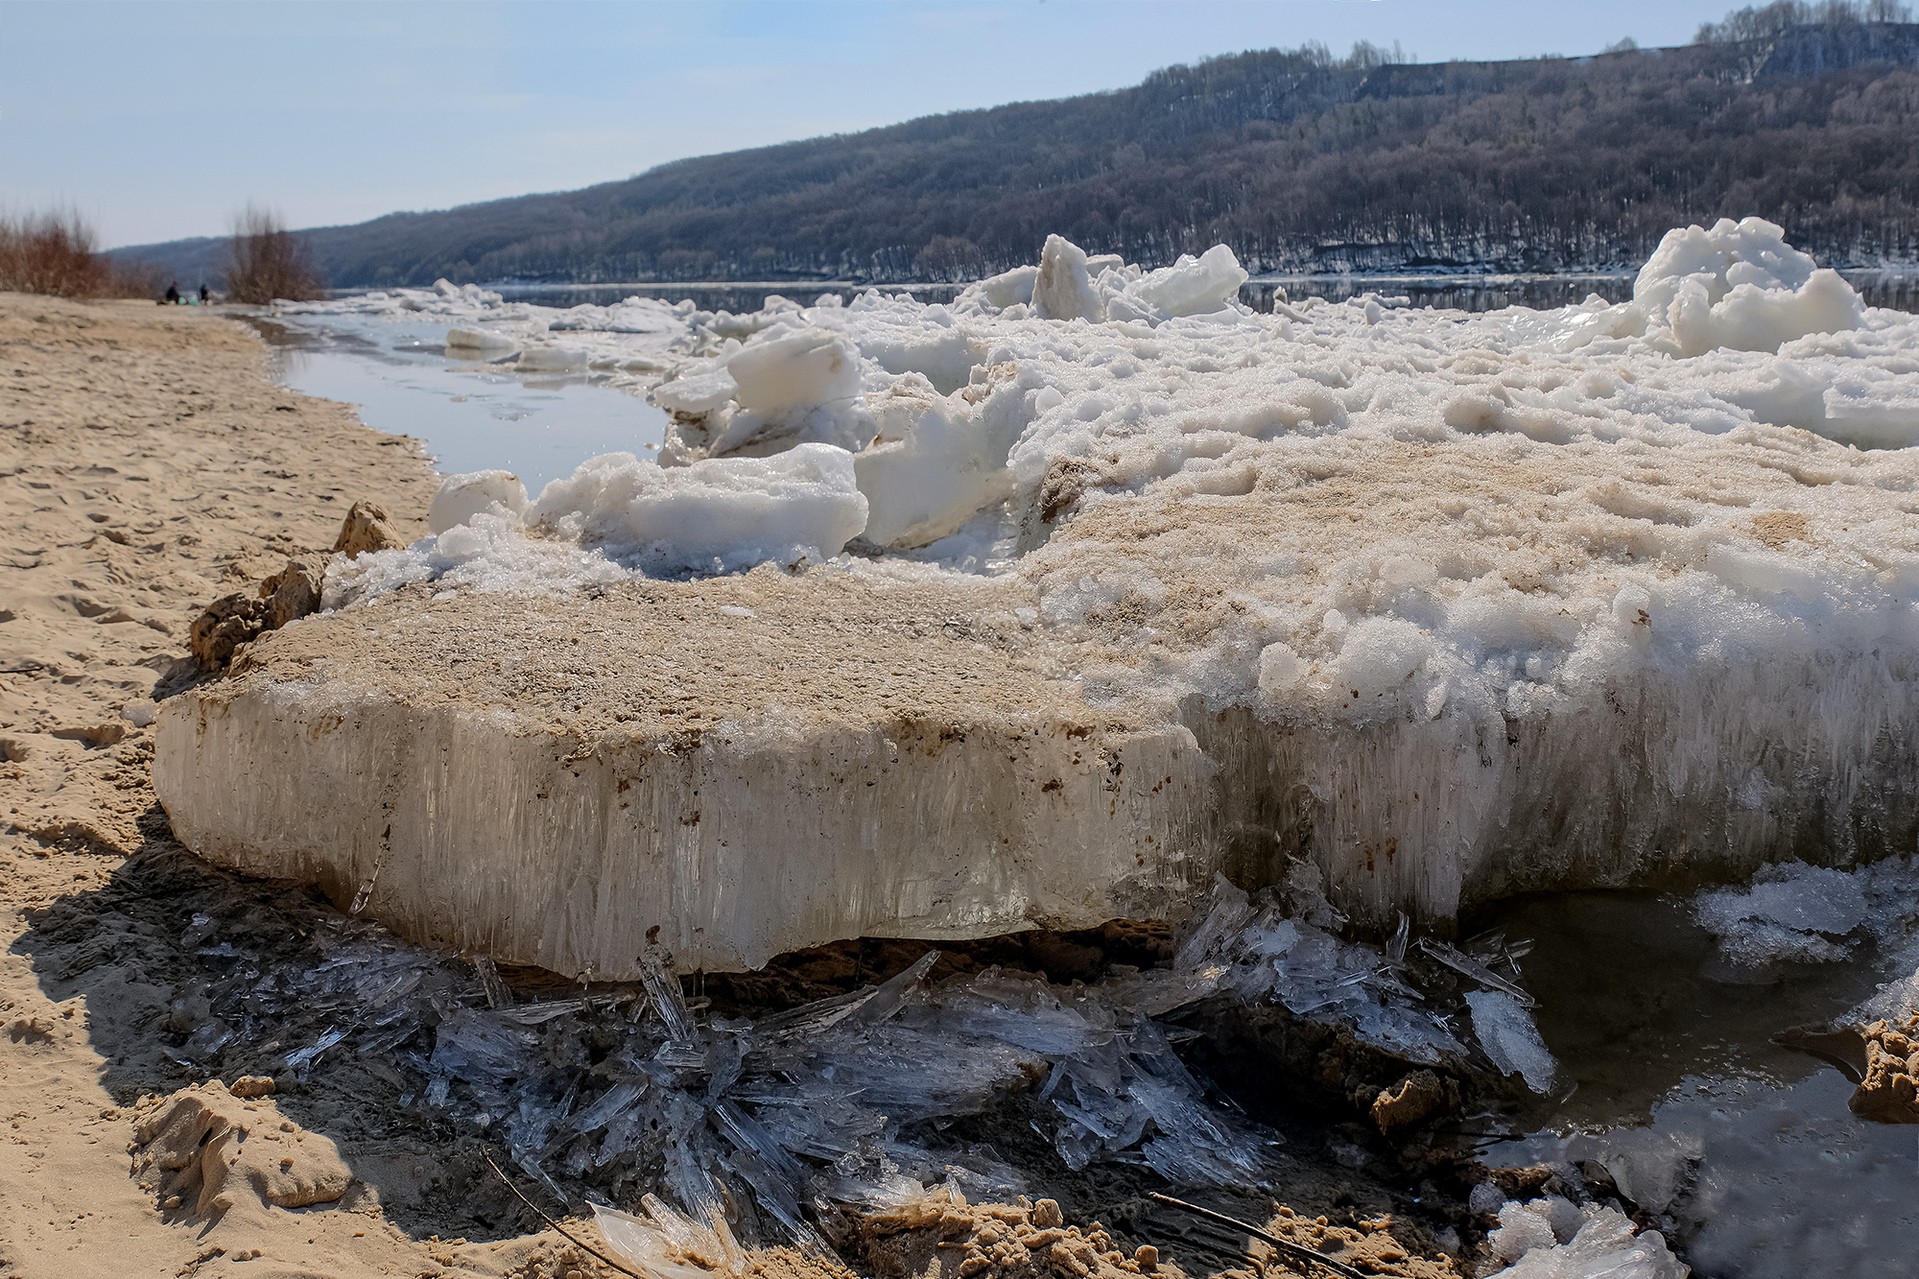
x: 469, y: 415
x: 1898, y: 290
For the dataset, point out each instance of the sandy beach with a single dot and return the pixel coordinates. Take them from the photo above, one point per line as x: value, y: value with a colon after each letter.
x: 149, y: 464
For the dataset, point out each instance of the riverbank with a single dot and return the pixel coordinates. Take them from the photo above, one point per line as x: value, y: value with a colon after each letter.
x: 148, y: 464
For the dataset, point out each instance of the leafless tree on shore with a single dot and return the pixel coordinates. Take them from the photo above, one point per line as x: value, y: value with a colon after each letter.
x: 266, y: 262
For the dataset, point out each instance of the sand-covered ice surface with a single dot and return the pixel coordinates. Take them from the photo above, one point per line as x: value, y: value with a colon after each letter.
x: 1452, y: 605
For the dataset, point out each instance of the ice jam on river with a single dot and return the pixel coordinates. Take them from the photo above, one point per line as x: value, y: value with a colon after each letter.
x: 1045, y: 606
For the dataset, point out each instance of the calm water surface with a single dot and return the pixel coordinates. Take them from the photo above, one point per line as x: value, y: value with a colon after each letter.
x: 469, y: 416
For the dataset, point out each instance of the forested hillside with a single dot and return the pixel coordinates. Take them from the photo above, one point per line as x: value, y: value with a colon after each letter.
x: 1296, y: 159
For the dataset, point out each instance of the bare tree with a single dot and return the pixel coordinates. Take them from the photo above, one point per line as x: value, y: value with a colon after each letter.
x: 266, y: 262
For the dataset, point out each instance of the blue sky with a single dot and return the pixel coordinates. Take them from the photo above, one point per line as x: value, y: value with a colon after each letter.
x: 157, y: 120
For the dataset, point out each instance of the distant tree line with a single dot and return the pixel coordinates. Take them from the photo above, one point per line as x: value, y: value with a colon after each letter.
x: 1770, y: 21
x: 1296, y: 158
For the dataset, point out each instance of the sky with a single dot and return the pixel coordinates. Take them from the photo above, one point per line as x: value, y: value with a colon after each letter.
x: 157, y: 120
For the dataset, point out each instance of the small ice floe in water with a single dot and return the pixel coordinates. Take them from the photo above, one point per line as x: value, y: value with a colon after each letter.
x: 478, y: 343
x: 552, y: 358
x: 1552, y: 1238
x: 1792, y: 912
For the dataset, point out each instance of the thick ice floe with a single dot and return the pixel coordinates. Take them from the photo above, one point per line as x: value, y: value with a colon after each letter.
x: 1453, y: 605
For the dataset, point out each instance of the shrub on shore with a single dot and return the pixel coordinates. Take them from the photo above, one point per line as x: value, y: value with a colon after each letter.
x: 267, y: 263
x: 51, y: 253
x: 58, y: 254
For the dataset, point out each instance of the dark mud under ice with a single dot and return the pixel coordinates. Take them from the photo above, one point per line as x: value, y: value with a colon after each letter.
x: 1087, y: 1067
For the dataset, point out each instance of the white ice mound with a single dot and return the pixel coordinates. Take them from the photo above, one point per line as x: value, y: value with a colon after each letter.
x: 1554, y: 1239
x: 1069, y: 285
x: 717, y: 515
x: 1191, y: 286
x: 1739, y: 285
x: 461, y: 497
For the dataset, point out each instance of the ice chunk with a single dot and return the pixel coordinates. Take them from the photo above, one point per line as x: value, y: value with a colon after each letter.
x: 1063, y: 290
x: 478, y: 343
x: 723, y: 513
x: 552, y: 358
x: 698, y: 391
x: 1378, y: 655
x: 1008, y: 288
x: 1506, y: 1031
x: 1649, y: 1166
x: 801, y: 369
x: 1790, y: 912
x: 1266, y: 951
x: 1193, y: 286
x: 950, y: 465
x: 461, y: 497
x: 667, y: 1244
x: 1552, y: 1239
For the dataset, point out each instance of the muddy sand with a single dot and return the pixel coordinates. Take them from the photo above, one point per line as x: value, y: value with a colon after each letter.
x: 150, y: 464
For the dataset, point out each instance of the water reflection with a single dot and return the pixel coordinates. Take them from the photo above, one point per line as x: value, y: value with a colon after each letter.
x: 469, y: 417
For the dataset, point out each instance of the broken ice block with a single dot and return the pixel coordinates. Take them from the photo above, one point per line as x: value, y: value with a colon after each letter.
x: 601, y: 771
x: 1506, y: 1031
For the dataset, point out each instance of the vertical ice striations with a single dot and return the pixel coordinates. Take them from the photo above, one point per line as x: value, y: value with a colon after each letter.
x: 1666, y: 775
x: 731, y: 779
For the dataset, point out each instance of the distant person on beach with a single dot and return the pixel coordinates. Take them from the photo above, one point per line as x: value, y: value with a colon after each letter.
x: 206, y: 298
x: 173, y: 294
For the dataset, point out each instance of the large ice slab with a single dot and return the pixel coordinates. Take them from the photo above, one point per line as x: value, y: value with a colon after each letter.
x: 738, y: 767
x: 732, y: 768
